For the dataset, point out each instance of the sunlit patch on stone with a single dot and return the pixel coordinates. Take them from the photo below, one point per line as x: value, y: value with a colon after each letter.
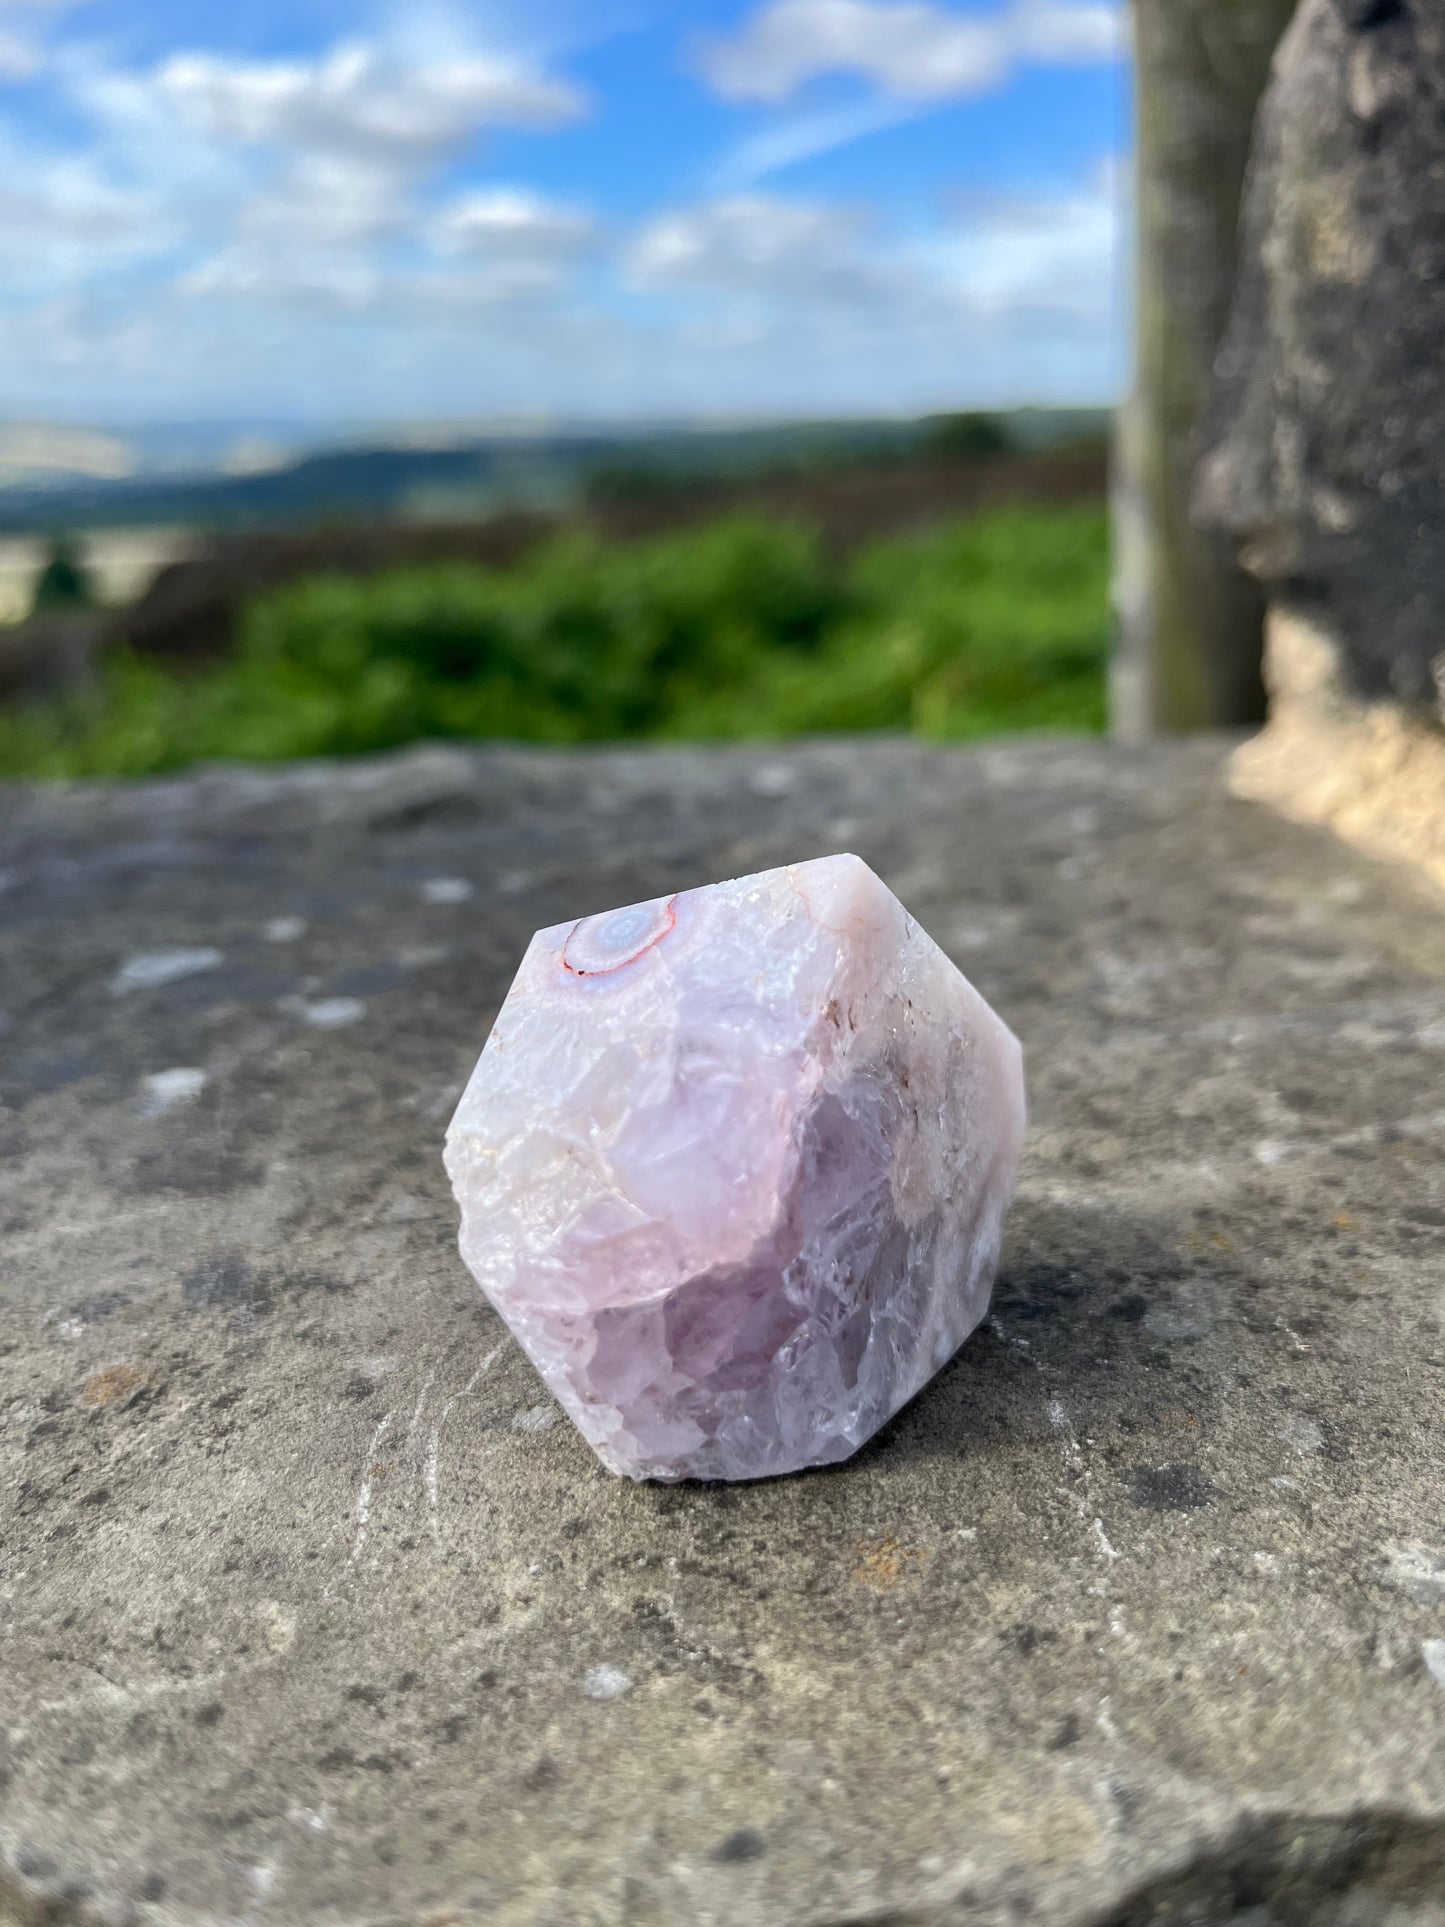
x: 163, y: 1091
x: 326, y: 1013
x: 156, y: 968
x: 741, y: 1205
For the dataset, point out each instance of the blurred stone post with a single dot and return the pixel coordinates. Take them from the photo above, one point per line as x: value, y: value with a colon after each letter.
x: 1190, y: 622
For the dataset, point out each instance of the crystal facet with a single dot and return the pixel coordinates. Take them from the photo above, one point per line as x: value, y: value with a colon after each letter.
x: 733, y: 1166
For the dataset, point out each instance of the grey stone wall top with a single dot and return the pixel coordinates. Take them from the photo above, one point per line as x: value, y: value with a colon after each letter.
x: 311, y: 1614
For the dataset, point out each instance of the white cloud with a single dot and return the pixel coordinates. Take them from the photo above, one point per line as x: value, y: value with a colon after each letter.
x: 803, y: 137
x: 1061, y: 31
x: 734, y: 271
x: 322, y: 202
x: 912, y: 48
x: 359, y: 101
x: 420, y: 299
x: 759, y: 267
x: 510, y: 221
x: 299, y: 186
x: 421, y: 350
x: 310, y: 236
x: 442, y: 298
x: 347, y: 236
x: 293, y: 279
x: 482, y: 252
x: 1045, y: 252
x: 760, y: 246
x: 19, y: 56
x: 63, y: 223
x: 22, y: 41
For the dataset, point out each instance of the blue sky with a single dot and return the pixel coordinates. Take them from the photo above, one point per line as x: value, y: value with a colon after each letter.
x: 319, y: 211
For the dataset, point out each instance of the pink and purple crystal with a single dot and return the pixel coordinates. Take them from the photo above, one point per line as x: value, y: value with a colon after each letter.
x: 733, y: 1167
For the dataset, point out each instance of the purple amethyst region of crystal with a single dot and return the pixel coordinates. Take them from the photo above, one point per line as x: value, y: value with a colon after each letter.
x: 733, y: 1167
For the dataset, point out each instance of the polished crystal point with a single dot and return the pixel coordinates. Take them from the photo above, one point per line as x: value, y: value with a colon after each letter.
x: 733, y: 1166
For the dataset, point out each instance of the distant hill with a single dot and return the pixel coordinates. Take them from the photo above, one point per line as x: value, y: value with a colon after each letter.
x: 350, y: 483
x: 471, y: 478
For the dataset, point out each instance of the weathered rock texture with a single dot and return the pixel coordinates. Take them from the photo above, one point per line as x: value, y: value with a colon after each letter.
x: 1328, y: 457
x: 311, y: 1616
x: 1328, y: 462
x: 1190, y: 620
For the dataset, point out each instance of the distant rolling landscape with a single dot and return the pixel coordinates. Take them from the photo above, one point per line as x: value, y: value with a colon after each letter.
x: 223, y: 479
x: 160, y: 608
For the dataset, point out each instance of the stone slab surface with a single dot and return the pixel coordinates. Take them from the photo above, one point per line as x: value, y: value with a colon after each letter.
x: 312, y: 1615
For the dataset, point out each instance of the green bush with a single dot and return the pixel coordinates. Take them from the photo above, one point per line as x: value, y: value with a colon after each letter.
x: 967, y: 438
x: 990, y: 625
x: 743, y: 629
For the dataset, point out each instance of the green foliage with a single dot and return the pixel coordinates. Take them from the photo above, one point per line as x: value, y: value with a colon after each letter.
x: 986, y: 626
x: 743, y: 629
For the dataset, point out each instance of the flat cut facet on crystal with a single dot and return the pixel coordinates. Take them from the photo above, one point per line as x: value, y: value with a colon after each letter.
x: 733, y: 1167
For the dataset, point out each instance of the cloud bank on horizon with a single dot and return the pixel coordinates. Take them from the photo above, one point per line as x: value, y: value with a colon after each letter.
x: 774, y: 207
